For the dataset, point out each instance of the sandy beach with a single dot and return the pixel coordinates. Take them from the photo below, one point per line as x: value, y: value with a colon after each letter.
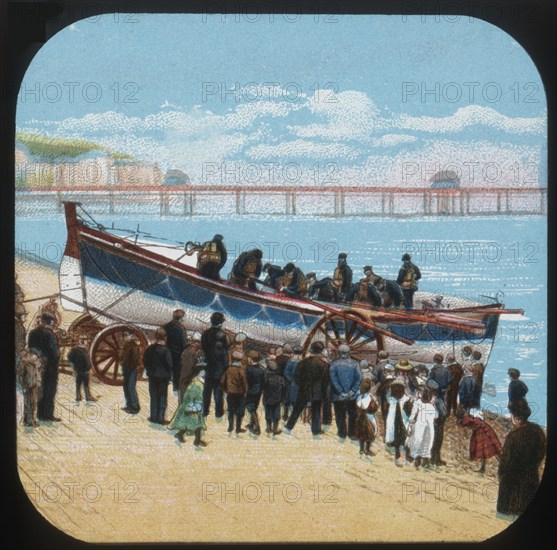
x: 102, y: 475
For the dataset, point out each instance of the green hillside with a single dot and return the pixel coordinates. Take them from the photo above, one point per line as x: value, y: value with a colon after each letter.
x: 54, y: 148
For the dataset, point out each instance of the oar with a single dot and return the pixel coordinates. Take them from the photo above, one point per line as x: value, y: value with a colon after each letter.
x: 346, y: 316
x: 452, y: 322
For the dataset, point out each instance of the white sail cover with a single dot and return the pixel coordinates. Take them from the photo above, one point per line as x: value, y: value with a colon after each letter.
x: 72, y: 297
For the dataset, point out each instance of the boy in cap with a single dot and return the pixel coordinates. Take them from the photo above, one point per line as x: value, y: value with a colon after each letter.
x: 255, y: 375
x: 273, y: 395
x: 78, y: 357
x: 235, y: 385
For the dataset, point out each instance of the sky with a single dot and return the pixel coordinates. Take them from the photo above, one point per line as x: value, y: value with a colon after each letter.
x: 352, y: 100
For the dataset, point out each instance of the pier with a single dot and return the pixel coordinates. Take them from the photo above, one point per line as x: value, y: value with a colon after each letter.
x: 342, y: 201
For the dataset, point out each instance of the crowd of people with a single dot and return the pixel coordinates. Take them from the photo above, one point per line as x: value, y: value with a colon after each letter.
x: 210, y: 369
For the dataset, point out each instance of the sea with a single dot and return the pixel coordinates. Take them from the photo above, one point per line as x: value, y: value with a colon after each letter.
x: 481, y: 258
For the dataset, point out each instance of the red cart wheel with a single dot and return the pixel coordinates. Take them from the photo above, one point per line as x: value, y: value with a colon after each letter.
x: 106, y: 352
x: 333, y: 330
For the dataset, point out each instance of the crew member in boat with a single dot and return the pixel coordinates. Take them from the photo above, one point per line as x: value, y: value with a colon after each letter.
x: 212, y: 257
x: 327, y: 290
x: 343, y: 274
x: 274, y: 274
x: 408, y: 278
x: 247, y: 267
x: 293, y: 282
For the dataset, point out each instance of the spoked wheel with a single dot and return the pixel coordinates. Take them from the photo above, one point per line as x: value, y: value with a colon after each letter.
x: 334, y: 330
x: 106, y: 352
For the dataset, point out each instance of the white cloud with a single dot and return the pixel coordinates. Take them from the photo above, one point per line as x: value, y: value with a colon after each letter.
x: 391, y: 140
x: 302, y: 149
x: 348, y: 116
x: 469, y: 116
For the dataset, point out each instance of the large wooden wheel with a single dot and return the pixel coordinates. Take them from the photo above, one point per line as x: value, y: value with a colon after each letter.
x: 334, y: 330
x: 106, y: 352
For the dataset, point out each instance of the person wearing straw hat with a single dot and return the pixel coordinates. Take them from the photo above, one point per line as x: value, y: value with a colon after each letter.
x: 403, y: 371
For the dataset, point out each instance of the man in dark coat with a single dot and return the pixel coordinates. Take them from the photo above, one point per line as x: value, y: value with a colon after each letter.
x: 176, y: 342
x: 438, y: 423
x: 440, y: 374
x: 345, y: 377
x: 478, y: 369
x: 294, y: 281
x: 273, y: 395
x: 78, y: 356
x: 312, y: 379
x: 247, y: 267
x: 131, y: 358
x: 408, y: 278
x: 255, y: 375
x: 212, y: 257
x: 467, y: 394
x: 517, y: 388
x: 214, y: 344
x: 327, y: 290
x: 274, y: 275
x: 343, y: 274
x: 456, y: 370
x: 157, y: 361
x: 291, y: 392
x: 523, y: 452
x: 43, y: 340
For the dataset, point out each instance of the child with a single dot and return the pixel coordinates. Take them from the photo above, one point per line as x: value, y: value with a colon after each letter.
x: 484, y: 442
x: 399, y: 408
x: 273, y: 394
x: 365, y: 427
x: 189, y: 416
x: 255, y: 375
x: 420, y: 439
x: 235, y: 385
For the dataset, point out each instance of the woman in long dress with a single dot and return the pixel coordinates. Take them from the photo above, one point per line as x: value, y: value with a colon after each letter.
x: 189, y: 417
x: 421, y: 421
x: 521, y: 457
